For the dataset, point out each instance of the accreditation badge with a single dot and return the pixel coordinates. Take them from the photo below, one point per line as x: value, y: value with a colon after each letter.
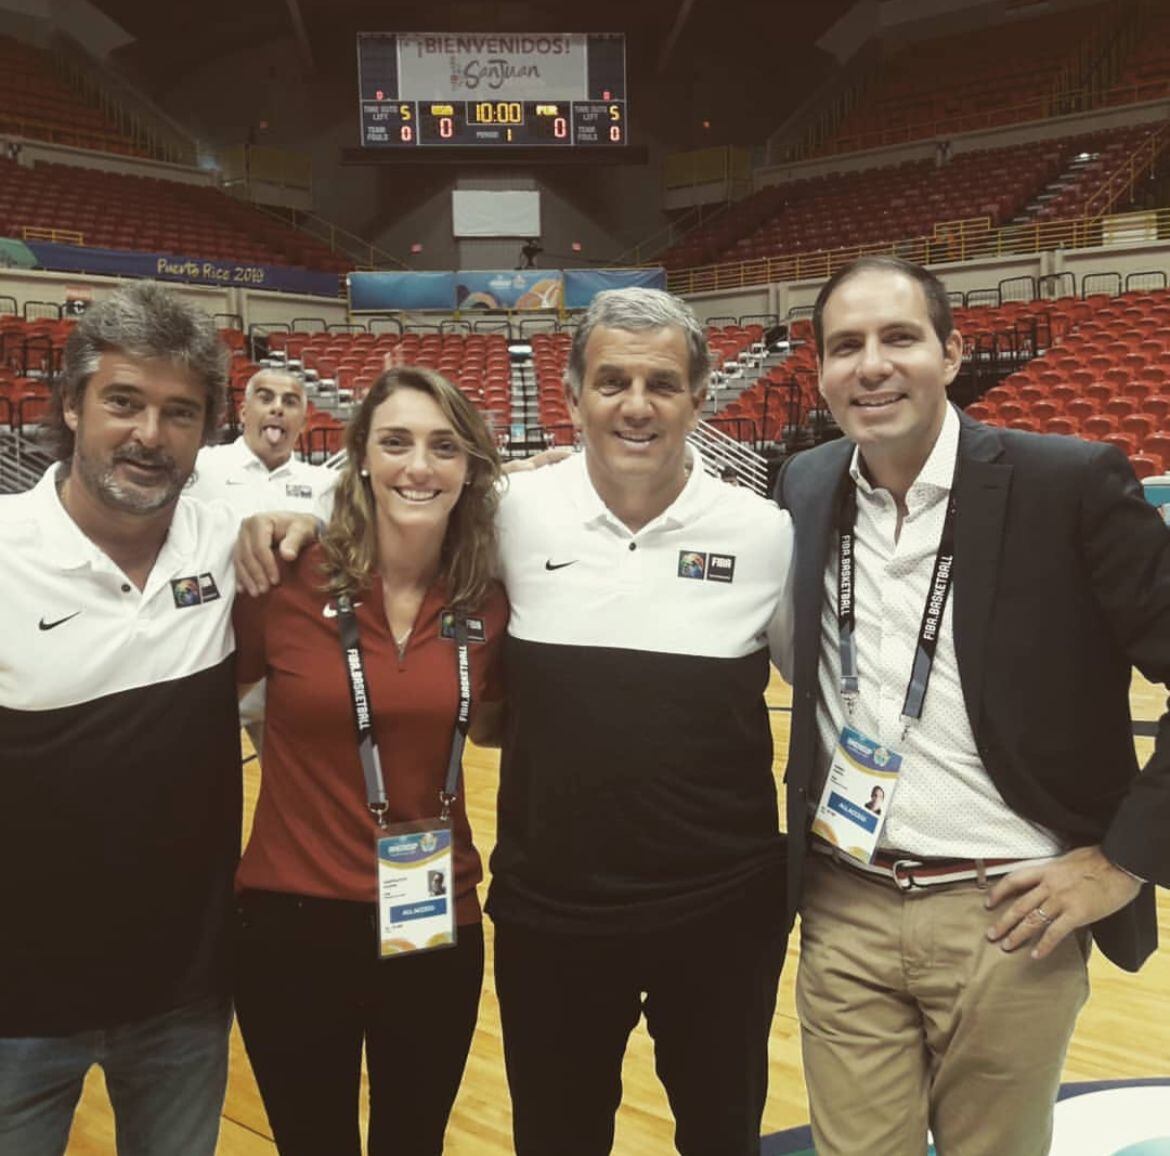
x: 416, y: 910
x: 857, y: 795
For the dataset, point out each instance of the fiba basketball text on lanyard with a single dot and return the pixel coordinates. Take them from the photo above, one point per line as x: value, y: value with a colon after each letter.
x: 416, y: 910
x: 863, y: 773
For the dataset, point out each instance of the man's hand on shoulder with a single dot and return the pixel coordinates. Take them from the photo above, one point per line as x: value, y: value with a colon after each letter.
x: 1053, y: 900
x: 547, y: 457
x: 257, y: 568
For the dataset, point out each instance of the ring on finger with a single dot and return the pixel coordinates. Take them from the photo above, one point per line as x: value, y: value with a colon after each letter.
x: 1042, y: 915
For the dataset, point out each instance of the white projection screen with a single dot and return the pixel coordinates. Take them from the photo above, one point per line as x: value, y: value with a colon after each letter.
x: 495, y: 213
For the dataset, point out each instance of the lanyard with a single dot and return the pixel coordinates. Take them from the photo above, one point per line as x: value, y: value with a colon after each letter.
x: 928, y: 631
x: 355, y: 668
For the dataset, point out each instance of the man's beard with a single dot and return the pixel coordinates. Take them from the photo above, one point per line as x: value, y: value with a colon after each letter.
x: 102, y: 481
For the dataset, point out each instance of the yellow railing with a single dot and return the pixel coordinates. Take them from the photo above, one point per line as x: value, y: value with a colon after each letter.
x: 964, y: 245
x: 961, y: 240
x: 57, y: 236
x: 1123, y: 179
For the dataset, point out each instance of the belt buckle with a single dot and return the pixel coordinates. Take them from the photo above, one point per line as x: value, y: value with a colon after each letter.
x: 905, y: 882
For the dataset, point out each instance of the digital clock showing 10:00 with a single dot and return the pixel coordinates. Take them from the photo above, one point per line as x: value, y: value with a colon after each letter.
x: 496, y: 112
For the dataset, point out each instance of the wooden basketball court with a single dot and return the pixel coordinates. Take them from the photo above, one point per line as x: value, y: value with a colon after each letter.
x: 1123, y: 1032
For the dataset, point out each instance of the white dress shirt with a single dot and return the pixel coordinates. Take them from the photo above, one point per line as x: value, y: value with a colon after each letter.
x: 944, y: 803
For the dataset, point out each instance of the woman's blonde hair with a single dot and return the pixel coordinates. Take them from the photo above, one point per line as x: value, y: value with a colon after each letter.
x: 468, y: 561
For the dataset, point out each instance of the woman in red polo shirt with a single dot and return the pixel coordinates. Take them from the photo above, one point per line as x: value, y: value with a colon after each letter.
x: 376, y: 644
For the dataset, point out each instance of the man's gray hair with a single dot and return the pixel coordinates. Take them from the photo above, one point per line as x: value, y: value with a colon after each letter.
x: 634, y: 309
x: 141, y: 320
x: 271, y: 371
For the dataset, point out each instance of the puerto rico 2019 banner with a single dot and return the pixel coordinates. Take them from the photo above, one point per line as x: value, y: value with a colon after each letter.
x: 194, y: 270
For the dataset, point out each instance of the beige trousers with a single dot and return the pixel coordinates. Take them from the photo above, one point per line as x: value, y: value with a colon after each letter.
x: 911, y: 1019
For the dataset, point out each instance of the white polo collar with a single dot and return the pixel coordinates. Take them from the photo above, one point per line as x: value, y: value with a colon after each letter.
x: 67, y: 548
x: 247, y: 459
x: 592, y: 509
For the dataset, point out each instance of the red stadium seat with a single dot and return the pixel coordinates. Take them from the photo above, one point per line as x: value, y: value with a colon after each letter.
x: 1145, y: 466
x: 1123, y: 442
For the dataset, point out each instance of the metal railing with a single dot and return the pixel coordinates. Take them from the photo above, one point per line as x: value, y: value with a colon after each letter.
x: 57, y: 236
x: 671, y: 233
x: 722, y: 452
x: 1012, y: 240
x: 22, y: 462
x: 365, y: 254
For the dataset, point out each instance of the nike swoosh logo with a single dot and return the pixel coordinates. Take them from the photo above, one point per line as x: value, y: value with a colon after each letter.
x: 551, y: 565
x: 49, y: 625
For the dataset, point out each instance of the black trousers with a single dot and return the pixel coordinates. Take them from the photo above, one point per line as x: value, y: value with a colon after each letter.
x: 569, y: 1002
x: 310, y: 991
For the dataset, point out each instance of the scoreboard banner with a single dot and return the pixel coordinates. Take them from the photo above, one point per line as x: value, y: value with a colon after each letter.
x: 510, y: 90
x: 449, y: 66
x: 582, y: 285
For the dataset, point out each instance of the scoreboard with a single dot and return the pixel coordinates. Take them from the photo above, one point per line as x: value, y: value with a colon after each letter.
x: 422, y: 90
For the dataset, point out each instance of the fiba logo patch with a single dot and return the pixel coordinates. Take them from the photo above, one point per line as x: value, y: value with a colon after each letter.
x: 193, y: 590
x: 721, y: 568
x: 700, y: 565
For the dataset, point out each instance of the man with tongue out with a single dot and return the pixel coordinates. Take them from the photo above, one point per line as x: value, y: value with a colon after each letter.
x: 259, y: 471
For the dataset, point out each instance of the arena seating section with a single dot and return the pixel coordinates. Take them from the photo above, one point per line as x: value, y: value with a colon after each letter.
x: 115, y: 211
x: 958, y: 83
x: 895, y: 202
x: 1145, y: 75
x: 1105, y: 379
x: 1101, y: 375
x: 35, y: 103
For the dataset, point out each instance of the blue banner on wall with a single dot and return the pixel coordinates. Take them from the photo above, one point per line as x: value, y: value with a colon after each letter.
x: 392, y: 290
x: 195, y: 270
x: 512, y: 289
x: 508, y: 288
x: 582, y: 285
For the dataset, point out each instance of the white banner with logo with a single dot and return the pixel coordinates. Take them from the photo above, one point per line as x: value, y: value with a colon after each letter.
x: 472, y: 66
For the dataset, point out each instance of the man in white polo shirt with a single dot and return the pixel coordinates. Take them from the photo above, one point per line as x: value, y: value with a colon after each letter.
x: 119, y: 745
x: 259, y: 471
x: 639, y: 867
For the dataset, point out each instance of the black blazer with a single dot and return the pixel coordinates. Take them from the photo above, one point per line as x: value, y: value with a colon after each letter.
x: 1062, y: 583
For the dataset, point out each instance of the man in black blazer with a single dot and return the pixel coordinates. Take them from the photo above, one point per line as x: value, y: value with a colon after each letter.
x: 969, y: 604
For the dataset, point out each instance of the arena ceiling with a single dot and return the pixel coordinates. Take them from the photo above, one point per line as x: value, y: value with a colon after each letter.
x: 741, y: 63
